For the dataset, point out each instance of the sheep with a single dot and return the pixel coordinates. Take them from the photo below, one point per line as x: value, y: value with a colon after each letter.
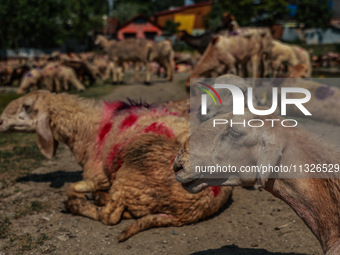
x: 53, y: 73
x: 163, y: 54
x: 32, y: 78
x: 316, y: 201
x: 135, y: 50
x: 281, y: 54
x: 124, y: 148
x: 225, y: 53
x: 67, y: 75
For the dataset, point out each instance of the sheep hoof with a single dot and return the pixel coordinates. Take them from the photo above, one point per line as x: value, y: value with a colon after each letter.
x: 147, y: 83
x: 123, y: 236
x: 74, y: 205
x: 81, y: 90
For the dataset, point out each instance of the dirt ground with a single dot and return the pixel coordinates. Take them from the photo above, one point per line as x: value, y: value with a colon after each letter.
x: 253, y: 222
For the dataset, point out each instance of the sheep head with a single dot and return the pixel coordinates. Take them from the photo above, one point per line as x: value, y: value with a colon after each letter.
x: 29, y: 114
x: 229, y: 145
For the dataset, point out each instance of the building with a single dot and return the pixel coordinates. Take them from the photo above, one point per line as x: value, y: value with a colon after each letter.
x: 139, y: 27
x: 190, y: 17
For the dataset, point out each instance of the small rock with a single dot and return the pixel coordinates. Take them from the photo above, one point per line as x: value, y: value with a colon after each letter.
x: 174, y: 232
x: 63, y: 238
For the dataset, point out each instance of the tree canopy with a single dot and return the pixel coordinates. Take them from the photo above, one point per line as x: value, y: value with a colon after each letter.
x: 255, y: 12
x: 313, y: 13
x: 47, y: 23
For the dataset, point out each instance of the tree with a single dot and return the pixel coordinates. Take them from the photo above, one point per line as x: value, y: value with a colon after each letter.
x: 313, y: 13
x: 125, y: 11
x: 213, y: 19
x: 255, y: 12
x: 48, y: 23
x: 171, y: 27
x: 148, y: 7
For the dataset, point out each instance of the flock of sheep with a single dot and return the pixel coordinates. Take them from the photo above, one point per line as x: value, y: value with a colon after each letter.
x: 130, y: 151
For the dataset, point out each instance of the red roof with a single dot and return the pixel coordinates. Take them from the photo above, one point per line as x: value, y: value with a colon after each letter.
x: 139, y: 15
x: 182, y: 8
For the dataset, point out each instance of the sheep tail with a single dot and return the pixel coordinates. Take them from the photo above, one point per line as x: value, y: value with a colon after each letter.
x: 146, y: 222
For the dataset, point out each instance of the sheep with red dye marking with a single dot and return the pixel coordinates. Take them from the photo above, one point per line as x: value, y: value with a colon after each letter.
x: 125, y: 149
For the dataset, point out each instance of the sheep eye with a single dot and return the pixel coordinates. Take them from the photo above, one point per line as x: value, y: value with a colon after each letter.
x: 234, y: 133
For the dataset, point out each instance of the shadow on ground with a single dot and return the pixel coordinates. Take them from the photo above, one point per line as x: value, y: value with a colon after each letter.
x: 235, y: 250
x: 57, y: 178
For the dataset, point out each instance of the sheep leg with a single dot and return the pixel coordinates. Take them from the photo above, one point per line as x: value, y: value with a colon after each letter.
x: 49, y: 83
x: 80, y: 206
x: 146, y: 222
x: 115, y: 74
x: 76, y: 83
x: 120, y: 74
x: 78, y: 189
x: 66, y: 88
x: 57, y: 85
x: 148, y: 73
x: 169, y: 70
x: 110, y: 214
x: 137, y: 69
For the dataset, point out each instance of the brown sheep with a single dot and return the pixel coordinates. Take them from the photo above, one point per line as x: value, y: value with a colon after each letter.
x: 122, y: 147
x: 281, y: 54
x: 32, y: 78
x: 316, y: 201
x: 225, y: 53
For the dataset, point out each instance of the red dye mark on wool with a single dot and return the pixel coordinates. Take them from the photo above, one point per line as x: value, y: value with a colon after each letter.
x: 129, y: 121
x: 114, y: 161
x: 215, y: 190
x: 160, y: 129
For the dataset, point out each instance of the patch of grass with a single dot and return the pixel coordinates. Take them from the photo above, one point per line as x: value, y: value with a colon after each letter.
x: 24, y: 243
x: 20, y: 157
x: 5, y: 98
x: 29, y: 208
x: 4, y: 227
x: 97, y: 91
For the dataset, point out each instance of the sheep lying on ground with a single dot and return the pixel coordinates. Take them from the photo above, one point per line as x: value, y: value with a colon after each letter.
x: 125, y: 148
x: 316, y: 201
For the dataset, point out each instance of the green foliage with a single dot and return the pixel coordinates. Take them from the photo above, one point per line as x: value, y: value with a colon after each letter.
x: 171, y: 27
x: 47, y: 23
x: 258, y: 12
x: 125, y: 11
x: 313, y: 13
x: 148, y: 7
x: 213, y: 19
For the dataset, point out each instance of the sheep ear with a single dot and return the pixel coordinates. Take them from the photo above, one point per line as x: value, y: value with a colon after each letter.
x: 270, y: 156
x: 45, y: 140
